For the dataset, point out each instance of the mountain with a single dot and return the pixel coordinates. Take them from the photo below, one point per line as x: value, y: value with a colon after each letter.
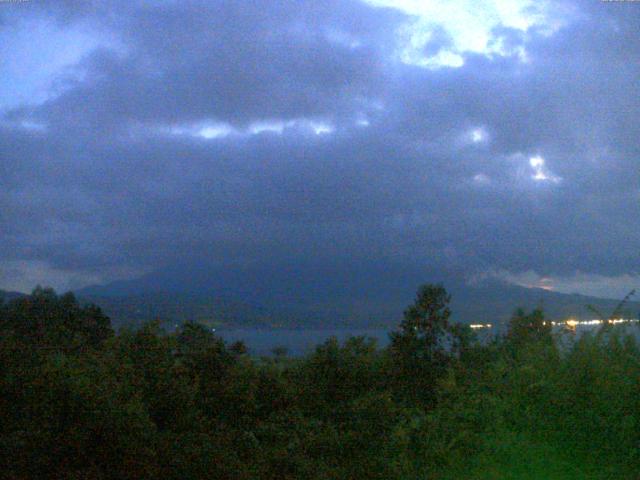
x: 173, y: 308
x: 8, y: 296
x: 494, y: 302
x: 320, y: 296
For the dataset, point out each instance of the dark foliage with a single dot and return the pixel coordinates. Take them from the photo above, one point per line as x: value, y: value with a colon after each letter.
x: 79, y: 402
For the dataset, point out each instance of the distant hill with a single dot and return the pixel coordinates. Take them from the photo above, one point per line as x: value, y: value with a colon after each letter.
x: 8, y: 296
x: 494, y: 302
x: 173, y: 308
x: 317, y: 298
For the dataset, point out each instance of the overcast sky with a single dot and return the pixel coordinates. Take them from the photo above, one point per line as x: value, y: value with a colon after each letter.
x: 490, y: 137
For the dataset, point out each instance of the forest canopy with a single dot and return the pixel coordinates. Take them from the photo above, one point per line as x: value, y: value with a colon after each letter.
x: 79, y: 400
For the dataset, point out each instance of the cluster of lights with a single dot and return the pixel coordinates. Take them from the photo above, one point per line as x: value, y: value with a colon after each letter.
x: 574, y: 323
x: 571, y: 323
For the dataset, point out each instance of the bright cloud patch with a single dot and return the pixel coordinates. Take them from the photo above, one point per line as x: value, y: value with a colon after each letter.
x: 24, y: 275
x: 343, y: 39
x: 321, y: 128
x: 206, y: 130
x: 212, y: 130
x: 475, y: 136
x: 540, y: 172
x: 299, y: 125
x: 35, y: 53
x: 443, y: 32
x: 481, y: 179
x: 24, y: 124
x: 478, y: 135
x: 267, y: 127
x: 363, y: 122
x: 582, y: 283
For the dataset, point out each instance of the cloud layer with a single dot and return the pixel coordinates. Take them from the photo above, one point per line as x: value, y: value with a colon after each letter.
x: 139, y: 135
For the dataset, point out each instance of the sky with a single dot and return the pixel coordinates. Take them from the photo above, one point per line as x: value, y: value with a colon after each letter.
x: 492, y: 138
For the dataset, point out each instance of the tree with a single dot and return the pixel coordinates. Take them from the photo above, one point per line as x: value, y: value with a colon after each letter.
x: 195, y: 338
x: 426, y: 323
x: 335, y: 375
x: 421, y: 350
x: 48, y: 321
x: 525, y: 329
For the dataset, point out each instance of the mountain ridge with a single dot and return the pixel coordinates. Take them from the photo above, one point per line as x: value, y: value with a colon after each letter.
x: 299, y: 299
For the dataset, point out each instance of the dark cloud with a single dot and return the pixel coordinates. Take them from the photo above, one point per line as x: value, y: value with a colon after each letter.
x: 95, y: 182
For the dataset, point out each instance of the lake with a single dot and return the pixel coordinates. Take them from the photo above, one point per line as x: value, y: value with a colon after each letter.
x: 299, y: 342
